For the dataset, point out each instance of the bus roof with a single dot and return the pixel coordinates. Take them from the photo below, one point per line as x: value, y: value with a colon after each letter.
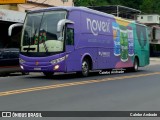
x: 85, y: 9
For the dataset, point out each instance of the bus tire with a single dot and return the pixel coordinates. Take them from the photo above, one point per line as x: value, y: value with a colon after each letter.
x: 135, y: 65
x: 48, y: 74
x: 85, y: 68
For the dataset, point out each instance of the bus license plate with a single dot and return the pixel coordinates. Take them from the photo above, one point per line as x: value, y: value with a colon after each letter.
x: 37, y: 68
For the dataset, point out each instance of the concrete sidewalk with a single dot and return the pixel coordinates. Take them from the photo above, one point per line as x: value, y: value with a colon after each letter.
x: 154, y: 58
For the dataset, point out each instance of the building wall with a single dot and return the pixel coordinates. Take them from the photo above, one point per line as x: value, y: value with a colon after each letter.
x: 54, y: 2
x: 36, y: 4
x: 28, y: 6
x: 9, y: 7
x: 149, y: 19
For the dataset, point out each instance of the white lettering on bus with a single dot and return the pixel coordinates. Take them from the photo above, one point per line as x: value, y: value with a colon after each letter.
x: 97, y: 26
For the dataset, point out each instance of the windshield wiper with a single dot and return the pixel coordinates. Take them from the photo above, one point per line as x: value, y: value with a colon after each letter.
x: 45, y: 46
x: 29, y: 48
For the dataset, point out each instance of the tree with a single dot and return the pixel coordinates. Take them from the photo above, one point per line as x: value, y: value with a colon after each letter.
x: 90, y: 2
x: 155, y: 7
x: 115, y: 2
x: 133, y: 3
x: 146, y: 6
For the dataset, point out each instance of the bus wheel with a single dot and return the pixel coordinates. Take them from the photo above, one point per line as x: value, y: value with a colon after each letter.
x: 135, y: 66
x: 48, y: 74
x: 85, y: 68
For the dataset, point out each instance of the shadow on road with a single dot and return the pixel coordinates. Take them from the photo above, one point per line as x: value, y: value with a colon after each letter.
x: 73, y: 76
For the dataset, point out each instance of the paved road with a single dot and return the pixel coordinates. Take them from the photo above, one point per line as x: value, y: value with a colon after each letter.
x: 115, y: 92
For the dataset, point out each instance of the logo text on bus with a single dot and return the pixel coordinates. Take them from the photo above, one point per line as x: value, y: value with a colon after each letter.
x: 97, y: 26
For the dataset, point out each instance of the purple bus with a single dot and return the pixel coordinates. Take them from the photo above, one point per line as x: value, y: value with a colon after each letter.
x: 78, y: 39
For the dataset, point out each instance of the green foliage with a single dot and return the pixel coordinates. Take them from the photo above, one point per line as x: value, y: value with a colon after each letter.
x: 146, y: 6
x: 90, y: 2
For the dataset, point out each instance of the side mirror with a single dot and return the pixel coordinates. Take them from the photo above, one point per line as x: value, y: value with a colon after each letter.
x: 62, y: 23
x: 13, y: 26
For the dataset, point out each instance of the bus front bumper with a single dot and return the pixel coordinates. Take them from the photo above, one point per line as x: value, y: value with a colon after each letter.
x: 46, y: 67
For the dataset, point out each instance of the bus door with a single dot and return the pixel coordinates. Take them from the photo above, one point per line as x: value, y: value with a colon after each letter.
x: 69, y: 48
x: 69, y: 38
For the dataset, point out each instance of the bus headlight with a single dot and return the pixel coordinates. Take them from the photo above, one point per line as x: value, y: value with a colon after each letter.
x: 59, y: 60
x: 21, y: 60
x: 56, y: 67
x: 21, y: 67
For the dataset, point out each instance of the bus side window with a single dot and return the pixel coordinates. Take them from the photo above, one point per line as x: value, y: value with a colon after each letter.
x: 70, y: 36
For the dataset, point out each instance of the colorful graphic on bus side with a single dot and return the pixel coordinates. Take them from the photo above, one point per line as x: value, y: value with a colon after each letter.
x: 124, y: 36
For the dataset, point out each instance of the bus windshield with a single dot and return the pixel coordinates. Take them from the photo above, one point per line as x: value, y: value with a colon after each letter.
x: 40, y: 32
